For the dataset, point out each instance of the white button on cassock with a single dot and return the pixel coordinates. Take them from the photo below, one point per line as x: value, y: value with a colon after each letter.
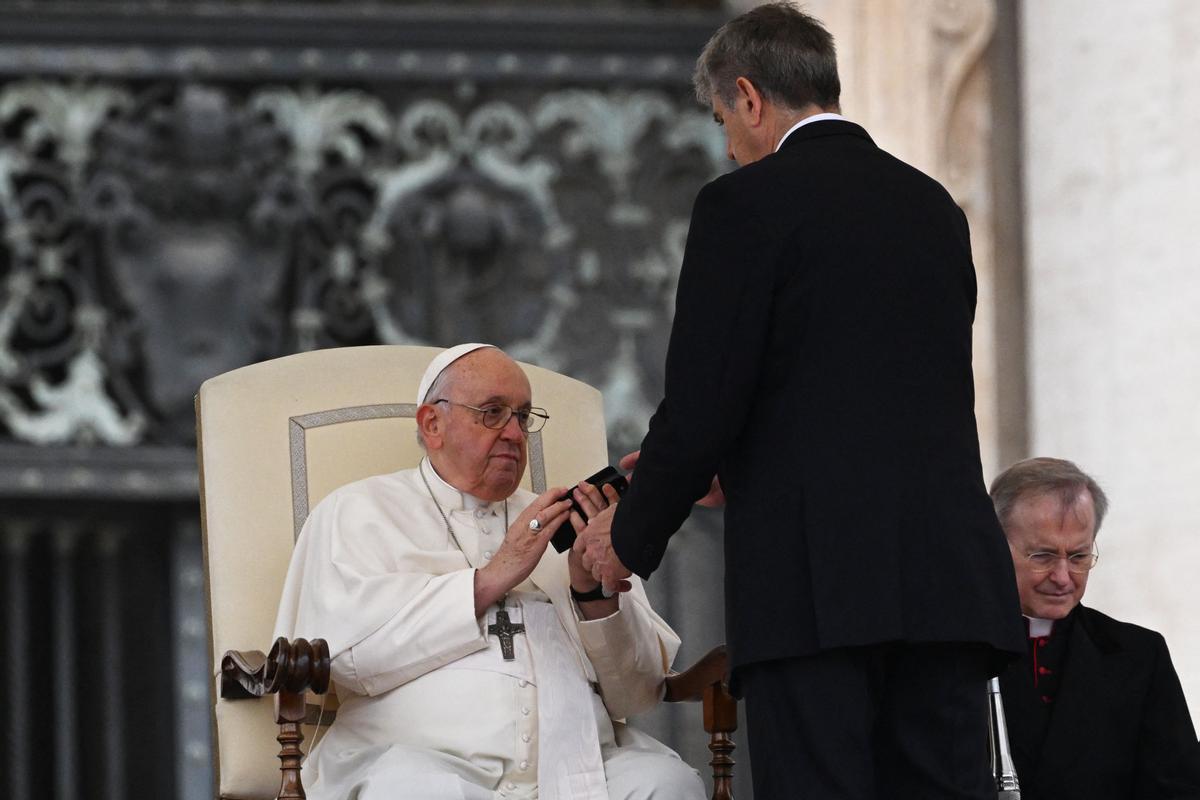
x: 525, y: 737
x: 524, y: 765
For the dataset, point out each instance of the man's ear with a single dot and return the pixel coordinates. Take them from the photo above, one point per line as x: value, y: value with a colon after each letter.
x: 750, y: 100
x: 431, y: 425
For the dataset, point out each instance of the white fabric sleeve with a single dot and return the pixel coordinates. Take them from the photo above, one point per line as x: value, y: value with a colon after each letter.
x: 629, y: 657
x: 372, y: 575
x: 434, y: 628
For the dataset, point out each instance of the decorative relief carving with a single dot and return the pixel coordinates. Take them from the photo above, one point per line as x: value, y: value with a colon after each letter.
x: 962, y: 30
x: 610, y: 128
x: 152, y: 236
x: 963, y: 106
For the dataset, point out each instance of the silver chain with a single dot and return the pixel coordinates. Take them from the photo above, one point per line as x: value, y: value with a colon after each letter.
x: 445, y: 519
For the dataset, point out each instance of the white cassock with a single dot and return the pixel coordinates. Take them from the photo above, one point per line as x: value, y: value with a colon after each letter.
x: 429, y: 708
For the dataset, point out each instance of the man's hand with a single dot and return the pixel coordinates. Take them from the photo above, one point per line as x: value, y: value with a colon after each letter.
x: 521, y: 549
x: 594, y: 545
x: 592, y: 501
x: 714, y: 499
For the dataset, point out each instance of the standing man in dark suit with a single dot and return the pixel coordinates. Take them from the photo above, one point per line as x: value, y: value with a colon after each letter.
x: 820, y: 365
x: 1095, y: 710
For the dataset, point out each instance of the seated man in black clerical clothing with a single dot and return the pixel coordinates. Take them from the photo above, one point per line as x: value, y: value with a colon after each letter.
x: 1095, y: 709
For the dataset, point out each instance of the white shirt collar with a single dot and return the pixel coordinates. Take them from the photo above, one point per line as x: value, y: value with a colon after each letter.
x: 1039, y: 627
x: 814, y: 118
x: 455, y: 499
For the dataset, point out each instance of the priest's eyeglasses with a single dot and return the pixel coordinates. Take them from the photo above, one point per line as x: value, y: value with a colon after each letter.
x: 496, y: 415
x: 1079, y: 563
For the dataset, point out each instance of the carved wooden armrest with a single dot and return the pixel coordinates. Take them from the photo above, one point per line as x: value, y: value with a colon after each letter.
x: 293, y: 667
x: 707, y: 682
x: 289, y: 671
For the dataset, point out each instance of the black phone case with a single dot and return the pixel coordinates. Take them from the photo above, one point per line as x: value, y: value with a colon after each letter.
x: 564, y: 537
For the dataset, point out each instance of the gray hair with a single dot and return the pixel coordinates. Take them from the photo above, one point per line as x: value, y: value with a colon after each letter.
x: 437, y: 391
x: 1042, y: 476
x: 785, y: 53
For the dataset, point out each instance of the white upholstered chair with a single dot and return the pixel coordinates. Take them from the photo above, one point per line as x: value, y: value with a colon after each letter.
x: 274, y: 438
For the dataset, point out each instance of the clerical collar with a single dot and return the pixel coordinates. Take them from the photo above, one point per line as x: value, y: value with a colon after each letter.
x: 453, y: 499
x: 814, y: 118
x: 1039, y: 627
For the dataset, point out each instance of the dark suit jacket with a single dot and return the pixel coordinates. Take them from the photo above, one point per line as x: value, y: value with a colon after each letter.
x: 820, y: 363
x: 1119, y: 728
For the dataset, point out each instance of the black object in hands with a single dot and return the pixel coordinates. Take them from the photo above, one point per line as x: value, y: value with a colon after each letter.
x: 564, y: 537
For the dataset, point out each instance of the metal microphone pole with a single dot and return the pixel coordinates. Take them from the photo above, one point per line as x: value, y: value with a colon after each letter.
x: 1003, y: 769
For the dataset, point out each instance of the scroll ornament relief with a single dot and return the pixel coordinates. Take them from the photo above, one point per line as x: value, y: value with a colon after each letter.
x: 962, y: 31
x: 151, y: 238
x: 52, y: 321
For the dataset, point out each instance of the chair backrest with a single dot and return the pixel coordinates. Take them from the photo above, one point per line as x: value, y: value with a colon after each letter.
x: 276, y: 437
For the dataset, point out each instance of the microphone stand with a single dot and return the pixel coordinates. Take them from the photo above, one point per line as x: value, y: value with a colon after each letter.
x: 1003, y: 769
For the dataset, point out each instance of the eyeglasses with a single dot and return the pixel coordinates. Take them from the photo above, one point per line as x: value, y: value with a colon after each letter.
x: 496, y: 416
x: 1078, y: 563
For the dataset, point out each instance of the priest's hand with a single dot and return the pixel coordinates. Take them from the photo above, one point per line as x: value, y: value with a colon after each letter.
x: 596, y: 553
x: 521, y: 549
x: 714, y: 499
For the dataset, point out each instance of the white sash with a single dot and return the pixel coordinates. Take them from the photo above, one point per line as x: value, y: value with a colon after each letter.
x: 570, y: 766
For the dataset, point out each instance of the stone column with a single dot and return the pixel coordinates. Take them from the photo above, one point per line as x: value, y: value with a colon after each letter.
x: 1112, y: 98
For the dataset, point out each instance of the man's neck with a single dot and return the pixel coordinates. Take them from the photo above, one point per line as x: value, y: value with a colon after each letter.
x: 787, y: 122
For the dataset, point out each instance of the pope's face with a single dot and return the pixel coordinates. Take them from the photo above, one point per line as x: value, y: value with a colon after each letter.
x: 1040, y: 523
x: 485, y: 462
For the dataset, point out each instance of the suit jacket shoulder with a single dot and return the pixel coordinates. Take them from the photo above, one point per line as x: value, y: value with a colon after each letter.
x: 1112, y: 635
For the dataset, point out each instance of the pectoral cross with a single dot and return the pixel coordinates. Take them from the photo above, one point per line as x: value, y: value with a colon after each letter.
x: 504, y: 629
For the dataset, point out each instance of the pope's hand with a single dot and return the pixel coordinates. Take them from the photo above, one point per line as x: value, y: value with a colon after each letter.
x: 521, y: 549
x: 596, y: 554
x: 714, y: 499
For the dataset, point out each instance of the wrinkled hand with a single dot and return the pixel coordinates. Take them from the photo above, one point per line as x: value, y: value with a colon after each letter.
x: 521, y: 549
x: 714, y: 499
x: 592, y: 501
x: 594, y: 545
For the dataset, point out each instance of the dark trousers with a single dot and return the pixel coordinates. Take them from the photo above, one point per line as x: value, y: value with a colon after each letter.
x: 891, y: 721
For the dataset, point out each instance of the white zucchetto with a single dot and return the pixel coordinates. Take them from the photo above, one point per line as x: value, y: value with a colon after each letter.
x: 443, y: 360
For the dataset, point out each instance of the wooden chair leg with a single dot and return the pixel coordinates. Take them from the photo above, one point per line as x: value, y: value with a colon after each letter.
x: 289, y: 713
x: 289, y: 671
x: 720, y: 720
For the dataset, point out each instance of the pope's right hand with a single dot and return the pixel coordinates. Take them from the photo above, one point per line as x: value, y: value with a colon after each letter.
x: 521, y: 549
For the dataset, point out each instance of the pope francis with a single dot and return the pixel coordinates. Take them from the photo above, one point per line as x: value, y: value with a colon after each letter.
x: 471, y: 661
